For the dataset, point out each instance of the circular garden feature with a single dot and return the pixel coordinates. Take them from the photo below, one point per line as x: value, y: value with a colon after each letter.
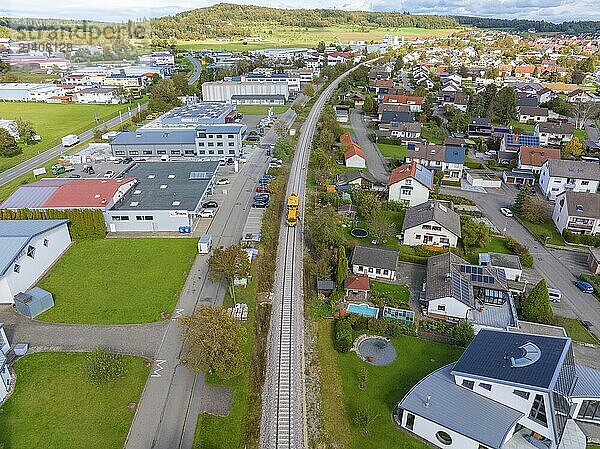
x: 359, y: 233
x: 377, y: 351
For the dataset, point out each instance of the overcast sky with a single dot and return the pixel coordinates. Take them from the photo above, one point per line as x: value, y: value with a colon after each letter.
x: 120, y: 10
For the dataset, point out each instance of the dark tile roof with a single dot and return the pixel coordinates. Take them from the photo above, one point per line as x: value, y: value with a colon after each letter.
x: 520, y: 359
x: 432, y: 210
x: 563, y: 168
x: 375, y: 256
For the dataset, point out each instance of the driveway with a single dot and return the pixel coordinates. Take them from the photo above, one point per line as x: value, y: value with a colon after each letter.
x: 412, y: 275
x: 376, y: 163
x: 553, y: 265
x: 134, y: 339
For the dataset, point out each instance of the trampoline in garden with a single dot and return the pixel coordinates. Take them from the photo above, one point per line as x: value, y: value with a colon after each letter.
x: 377, y: 351
x: 359, y: 233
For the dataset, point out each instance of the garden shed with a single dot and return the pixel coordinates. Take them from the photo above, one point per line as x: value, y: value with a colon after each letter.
x: 33, y: 302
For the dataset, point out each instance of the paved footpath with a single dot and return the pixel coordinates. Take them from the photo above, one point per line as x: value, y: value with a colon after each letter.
x: 134, y: 339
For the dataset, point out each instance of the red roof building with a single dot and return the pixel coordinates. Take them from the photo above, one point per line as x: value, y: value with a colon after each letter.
x: 357, y: 283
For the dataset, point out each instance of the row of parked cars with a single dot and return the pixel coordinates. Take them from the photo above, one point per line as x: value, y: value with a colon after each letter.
x: 262, y: 197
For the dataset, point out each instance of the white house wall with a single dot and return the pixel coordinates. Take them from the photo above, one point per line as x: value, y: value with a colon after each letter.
x: 355, y: 162
x: 453, y: 308
x: 410, y: 235
x: 427, y: 429
x: 31, y: 269
x: 373, y: 272
x: 419, y: 194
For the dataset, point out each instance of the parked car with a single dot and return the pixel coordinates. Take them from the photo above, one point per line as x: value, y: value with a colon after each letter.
x: 260, y: 204
x: 222, y: 181
x: 267, y: 177
x: 274, y: 165
x: 585, y: 287
x: 109, y: 174
x: 74, y: 175
x: 264, y: 196
x: 207, y: 213
x: 506, y: 212
x: 554, y: 294
x: 127, y: 160
x: 210, y: 205
x: 261, y: 189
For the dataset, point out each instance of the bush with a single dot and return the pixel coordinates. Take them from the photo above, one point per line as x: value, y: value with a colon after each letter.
x: 456, y: 199
x: 358, y: 323
x: 580, y: 239
x: 83, y: 223
x: 395, y: 206
x: 102, y: 366
x: 395, y: 329
x: 342, y: 336
x: 537, y: 306
x: 521, y: 251
x: 463, y: 333
x: 377, y: 326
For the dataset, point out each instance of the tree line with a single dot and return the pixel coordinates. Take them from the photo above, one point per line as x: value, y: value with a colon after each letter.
x: 571, y: 27
x: 83, y: 223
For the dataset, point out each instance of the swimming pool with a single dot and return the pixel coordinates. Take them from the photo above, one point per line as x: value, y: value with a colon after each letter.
x: 364, y: 310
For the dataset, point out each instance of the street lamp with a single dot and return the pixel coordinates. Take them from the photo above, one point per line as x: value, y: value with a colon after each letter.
x: 546, y: 241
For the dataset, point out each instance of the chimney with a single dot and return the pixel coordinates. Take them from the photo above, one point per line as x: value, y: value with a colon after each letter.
x: 428, y: 401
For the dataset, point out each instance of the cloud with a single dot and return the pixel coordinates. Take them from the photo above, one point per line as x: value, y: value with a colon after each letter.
x: 121, y: 10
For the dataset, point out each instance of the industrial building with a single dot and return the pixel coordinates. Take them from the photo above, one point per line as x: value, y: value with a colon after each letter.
x: 223, y: 91
x: 29, y: 91
x: 166, y: 197
x: 29, y: 248
x: 189, y: 116
x: 293, y: 81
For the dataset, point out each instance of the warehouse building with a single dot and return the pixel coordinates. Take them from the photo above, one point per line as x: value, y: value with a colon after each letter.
x: 293, y: 81
x: 274, y: 100
x: 215, y: 141
x: 223, y: 90
x: 190, y: 116
x: 167, y: 196
x: 29, y: 91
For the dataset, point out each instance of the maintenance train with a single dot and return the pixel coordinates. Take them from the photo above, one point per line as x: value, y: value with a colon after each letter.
x: 293, y: 204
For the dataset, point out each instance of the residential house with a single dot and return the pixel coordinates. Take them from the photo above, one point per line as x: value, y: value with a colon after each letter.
x: 593, y: 260
x: 29, y: 248
x: 405, y: 132
x: 577, y: 212
x: 99, y: 95
x: 529, y: 114
x: 382, y: 87
x: 483, y: 127
x: 457, y: 291
x: 510, y: 263
x: 448, y: 159
x: 432, y: 224
x: 398, y: 114
x: 355, y: 97
x: 524, y: 71
x: 357, y: 178
x: 374, y: 262
x: 505, y: 70
x: 532, y: 158
x: 556, y: 134
x: 458, y: 100
x: 511, y: 143
x: 530, y: 384
x: 342, y: 113
x: 414, y: 103
x: 582, y: 96
x: 5, y: 376
x: 557, y: 176
x: 353, y: 154
x: 410, y: 184
x: 357, y: 287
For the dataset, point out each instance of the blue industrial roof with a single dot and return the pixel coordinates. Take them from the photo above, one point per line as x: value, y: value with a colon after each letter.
x: 516, y: 358
x: 455, y: 155
x: 31, y: 196
x: 16, y: 234
x: 587, y: 382
x: 439, y: 399
x: 156, y: 137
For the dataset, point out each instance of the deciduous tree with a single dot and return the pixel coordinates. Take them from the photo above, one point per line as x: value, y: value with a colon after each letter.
x: 535, y: 209
x: 381, y: 228
x: 8, y: 144
x: 342, y: 266
x: 26, y: 130
x: 228, y: 264
x: 213, y: 342
x: 573, y: 148
x: 474, y: 234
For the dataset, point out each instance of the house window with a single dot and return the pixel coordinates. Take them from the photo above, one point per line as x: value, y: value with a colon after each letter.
x: 134, y: 152
x: 147, y: 152
x: 538, y: 411
x: 31, y: 251
x: 46, y: 243
x: 441, y: 307
x: 377, y: 270
x: 219, y: 144
x: 418, y: 236
x: 410, y: 421
x: 17, y: 268
x: 468, y: 384
x: 144, y: 217
x: 443, y: 438
x: 485, y: 386
x: 120, y: 217
x: 590, y: 410
x: 230, y: 136
x: 585, y: 183
x: 386, y: 272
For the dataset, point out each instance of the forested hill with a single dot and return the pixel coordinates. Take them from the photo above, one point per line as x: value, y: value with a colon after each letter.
x: 524, y: 25
x: 239, y: 20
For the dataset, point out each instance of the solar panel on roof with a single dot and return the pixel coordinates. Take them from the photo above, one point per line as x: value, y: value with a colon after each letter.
x: 200, y: 175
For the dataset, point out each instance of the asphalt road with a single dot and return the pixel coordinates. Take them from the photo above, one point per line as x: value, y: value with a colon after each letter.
x: 592, y: 132
x: 376, y: 163
x: 548, y: 263
x: 40, y: 159
x: 195, y: 76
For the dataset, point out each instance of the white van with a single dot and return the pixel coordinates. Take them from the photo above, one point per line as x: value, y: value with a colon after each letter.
x: 205, y: 244
x: 554, y: 294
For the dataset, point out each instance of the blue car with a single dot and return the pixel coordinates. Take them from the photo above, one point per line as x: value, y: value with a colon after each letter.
x: 585, y: 287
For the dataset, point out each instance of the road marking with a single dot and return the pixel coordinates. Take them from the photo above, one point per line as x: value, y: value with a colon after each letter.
x: 177, y: 314
x: 159, y: 367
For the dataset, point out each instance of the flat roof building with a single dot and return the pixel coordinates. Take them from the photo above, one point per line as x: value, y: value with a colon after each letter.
x: 166, y: 196
x: 203, y: 113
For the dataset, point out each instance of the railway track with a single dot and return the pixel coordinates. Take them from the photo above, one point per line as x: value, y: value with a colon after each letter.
x: 283, y: 420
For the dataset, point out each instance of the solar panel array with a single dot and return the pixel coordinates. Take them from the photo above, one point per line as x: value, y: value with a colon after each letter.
x: 522, y: 139
x: 200, y: 175
x: 477, y: 274
x: 460, y: 289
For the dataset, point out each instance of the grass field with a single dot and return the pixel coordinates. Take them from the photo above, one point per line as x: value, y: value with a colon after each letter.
x: 118, y: 281
x: 575, y: 329
x: 288, y: 36
x: 26, y: 77
x: 541, y: 231
x: 55, y: 407
x: 524, y: 126
x: 495, y: 245
x: 54, y: 121
x: 260, y: 110
x: 395, y: 151
x: 386, y: 386
x: 397, y: 292
x: 215, y: 431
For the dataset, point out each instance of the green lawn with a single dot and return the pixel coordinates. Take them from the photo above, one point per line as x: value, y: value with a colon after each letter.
x: 386, y: 386
x: 54, y: 121
x: 398, y: 293
x: 541, y: 231
x: 581, y: 134
x: 14, y: 76
x: 524, y: 126
x: 575, y: 329
x: 433, y: 133
x: 495, y: 245
x: 55, y: 407
x: 118, y: 281
x: 260, y: 110
x: 228, y: 432
x: 395, y: 151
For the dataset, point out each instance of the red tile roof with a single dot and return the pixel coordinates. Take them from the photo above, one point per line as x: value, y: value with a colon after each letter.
x: 401, y: 99
x: 86, y: 193
x: 525, y: 69
x: 383, y: 83
x: 353, y: 147
x: 536, y: 156
x: 408, y: 170
x: 357, y: 283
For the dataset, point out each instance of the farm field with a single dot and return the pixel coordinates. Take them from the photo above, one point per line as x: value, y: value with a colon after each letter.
x: 66, y: 411
x: 115, y: 281
x: 54, y: 121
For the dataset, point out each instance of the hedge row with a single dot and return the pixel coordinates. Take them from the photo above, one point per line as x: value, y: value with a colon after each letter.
x: 83, y: 223
x: 589, y: 240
